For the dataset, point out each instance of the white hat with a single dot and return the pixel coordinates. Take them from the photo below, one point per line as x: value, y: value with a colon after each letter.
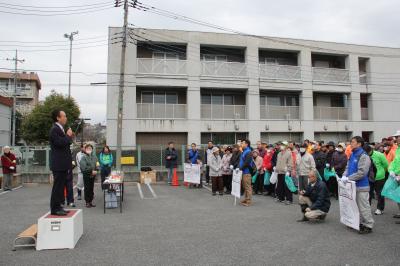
x: 215, y: 149
x: 396, y: 134
x: 285, y: 143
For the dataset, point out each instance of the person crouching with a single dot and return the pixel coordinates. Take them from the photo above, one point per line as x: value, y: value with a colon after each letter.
x: 215, y: 163
x: 88, y: 165
x: 314, y: 200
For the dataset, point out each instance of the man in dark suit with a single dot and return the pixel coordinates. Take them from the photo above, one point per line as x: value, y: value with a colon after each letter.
x: 60, y: 160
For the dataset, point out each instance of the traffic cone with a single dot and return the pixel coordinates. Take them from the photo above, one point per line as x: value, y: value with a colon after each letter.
x: 175, y: 181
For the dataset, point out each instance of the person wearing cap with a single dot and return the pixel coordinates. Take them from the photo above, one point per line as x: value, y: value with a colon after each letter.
x: 338, y: 162
x: 314, y: 200
x: 258, y: 186
x: 284, y: 167
x: 381, y: 165
x: 227, y: 170
x: 394, y: 170
x: 246, y: 166
x: 306, y: 164
x: 357, y: 169
x: 215, y: 163
x: 9, y: 165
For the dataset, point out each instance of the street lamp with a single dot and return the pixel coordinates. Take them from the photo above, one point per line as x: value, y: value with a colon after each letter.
x: 71, y: 38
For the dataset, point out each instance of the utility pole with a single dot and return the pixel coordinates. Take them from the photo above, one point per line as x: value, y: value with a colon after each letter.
x: 71, y: 38
x: 14, y: 111
x: 121, y: 83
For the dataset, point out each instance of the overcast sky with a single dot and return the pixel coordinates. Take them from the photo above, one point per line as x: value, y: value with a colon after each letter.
x: 350, y: 21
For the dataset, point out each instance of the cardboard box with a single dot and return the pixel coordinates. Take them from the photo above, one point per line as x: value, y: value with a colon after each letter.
x: 150, y: 177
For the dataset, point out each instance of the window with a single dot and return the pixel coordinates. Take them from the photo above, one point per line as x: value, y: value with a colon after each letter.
x: 171, y: 98
x: 337, y: 101
x: 228, y: 99
x: 217, y: 99
x: 223, y: 99
x: 165, y: 55
x: 274, y: 100
x: 279, y: 100
x: 147, y: 97
x: 213, y: 57
x: 159, y: 97
x: 206, y: 99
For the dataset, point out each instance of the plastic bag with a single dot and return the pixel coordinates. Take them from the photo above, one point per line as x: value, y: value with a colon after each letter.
x: 111, y: 200
x: 391, y: 190
x: 267, y: 176
x: 290, y: 184
x: 274, y: 178
x: 328, y: 173
x: 254, y: 177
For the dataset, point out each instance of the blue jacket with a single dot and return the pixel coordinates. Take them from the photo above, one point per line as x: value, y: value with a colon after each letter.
x: 194, y: 156
x: 319, y: 196
x: 354, y: 167
x: 245, y: 161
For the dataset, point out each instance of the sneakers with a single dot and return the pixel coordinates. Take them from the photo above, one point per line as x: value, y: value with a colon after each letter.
x: 378, y: 212
x: 288, y: 202
x: 397, y: 216
x: 79, y: 197
x: 72, y: 205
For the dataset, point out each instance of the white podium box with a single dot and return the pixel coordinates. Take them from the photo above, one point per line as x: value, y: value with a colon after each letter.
x: 59, y: 232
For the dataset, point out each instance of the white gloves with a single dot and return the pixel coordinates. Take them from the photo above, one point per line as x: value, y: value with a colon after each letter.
x: 237, y: 169
x: 392, y: 174
x: 12, y: 167
x: 274, y: 168
x: 231, y: 167
x: 328, y: 165
x: 288, y: 173
x: 345, y: 179
x: 397, y: 178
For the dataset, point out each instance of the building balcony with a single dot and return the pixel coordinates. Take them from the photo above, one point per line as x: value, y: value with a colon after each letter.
x: 161, y: 111
x: 334, y: 75
x: 222, y: 68
x: 280, y: 112
x: 282, y: 72
x: 331, y: 113
x: 161, y: 66
x: 223, y: 112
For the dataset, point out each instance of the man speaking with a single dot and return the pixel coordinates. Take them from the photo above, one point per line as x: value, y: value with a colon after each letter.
x: 60, y: 160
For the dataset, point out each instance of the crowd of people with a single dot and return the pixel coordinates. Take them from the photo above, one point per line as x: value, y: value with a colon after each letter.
x: 313, y: 167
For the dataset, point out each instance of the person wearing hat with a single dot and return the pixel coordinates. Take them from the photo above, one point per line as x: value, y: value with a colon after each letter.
x: 258, y: 186
x: 305, y: 165
x: 339, y: 162
x: 226, y: 170
x: 284, y: 165
x: 215, y: 163
x: 268, y: 166
x: 9, y: 165
x: 332, y: 182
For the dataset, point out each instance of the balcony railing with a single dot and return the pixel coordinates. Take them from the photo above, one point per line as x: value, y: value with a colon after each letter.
x: 161, y: 66
x: 284, y: 72
x: 364, y: 78
x: 335, y: 75
x: 331, y: 113
x: 280, y: 112
x: 161, y: 111
x: 229, y: 112
x: 364, y: 114
x: 221, y: 68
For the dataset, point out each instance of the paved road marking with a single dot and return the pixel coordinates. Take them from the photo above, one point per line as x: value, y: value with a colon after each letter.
x: 5, y: 192
x: 140, y: 190
x: 151, y: 190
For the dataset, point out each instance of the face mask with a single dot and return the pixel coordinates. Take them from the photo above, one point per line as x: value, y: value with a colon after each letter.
x: 89, y: 151
x: 302, y: 150
x: 339, y: 149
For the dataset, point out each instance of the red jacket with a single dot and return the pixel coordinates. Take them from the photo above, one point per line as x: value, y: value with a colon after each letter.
x: 7, y: 162
x: 267, y: 162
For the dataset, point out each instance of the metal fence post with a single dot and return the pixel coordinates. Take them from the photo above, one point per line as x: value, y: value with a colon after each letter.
x: 139, y: 152
x: 161, y: 157
x: 183, y: 156
x: 47, y: 159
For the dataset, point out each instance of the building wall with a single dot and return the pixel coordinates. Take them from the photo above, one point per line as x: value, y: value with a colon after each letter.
x: 5, y: 125
x: 384, y: 96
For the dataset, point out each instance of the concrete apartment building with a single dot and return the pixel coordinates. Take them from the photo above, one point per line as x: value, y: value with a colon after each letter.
x: 28, y: 87
x: 5, y: 120
x: 194, y: 86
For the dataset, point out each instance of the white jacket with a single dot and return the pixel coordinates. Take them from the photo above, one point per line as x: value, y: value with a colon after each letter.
x: 215, y: 164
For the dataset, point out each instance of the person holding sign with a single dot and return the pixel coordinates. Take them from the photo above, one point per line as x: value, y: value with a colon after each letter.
x: 193, y: 157
x: 357, y: 170
x: 314, y: 200
x: 247, y: 166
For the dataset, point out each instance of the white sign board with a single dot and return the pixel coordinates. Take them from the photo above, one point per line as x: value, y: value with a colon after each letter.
x: 236, y: 180
x: 192, y: 173
x: 349, y: 213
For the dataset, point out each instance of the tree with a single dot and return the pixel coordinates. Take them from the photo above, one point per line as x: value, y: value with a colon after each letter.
x: 36, y: 126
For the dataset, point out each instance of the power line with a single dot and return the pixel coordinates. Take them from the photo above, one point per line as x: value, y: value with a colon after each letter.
x: 50, y: 15
x: 151, y: 9
x: 93, y: 4
x: 89, y: 38
x: 62, y: 10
